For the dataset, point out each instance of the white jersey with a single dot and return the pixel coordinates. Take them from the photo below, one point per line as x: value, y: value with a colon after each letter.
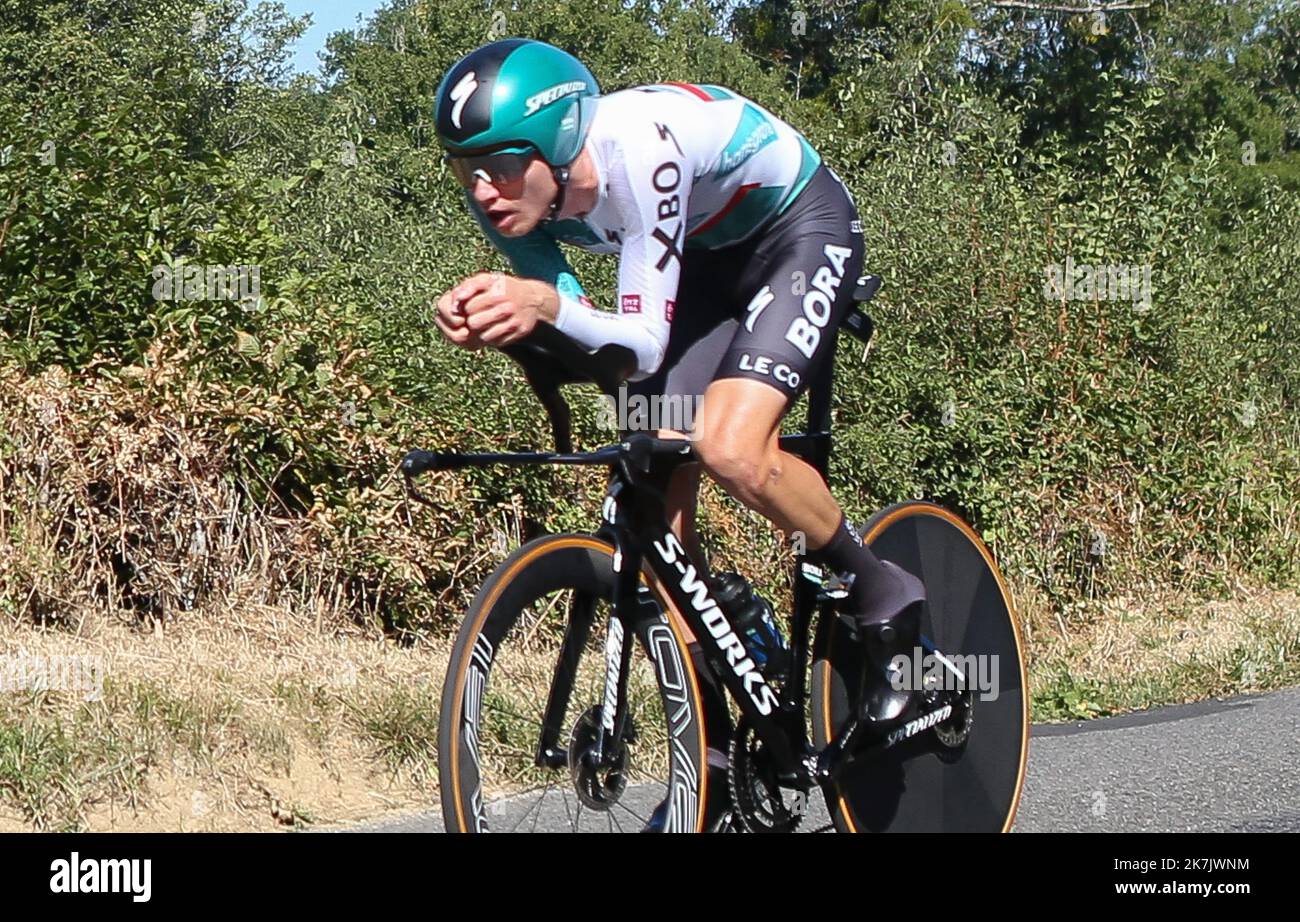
x: 679, y: 167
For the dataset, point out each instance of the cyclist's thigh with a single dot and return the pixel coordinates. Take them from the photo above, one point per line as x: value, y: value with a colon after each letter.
x: 703, y: 326
x: 797, y: 289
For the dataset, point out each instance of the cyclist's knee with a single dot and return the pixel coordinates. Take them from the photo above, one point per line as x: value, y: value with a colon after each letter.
x: 743, y: 466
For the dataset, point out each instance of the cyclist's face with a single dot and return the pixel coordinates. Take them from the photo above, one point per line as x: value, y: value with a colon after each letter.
x: 514, y: 190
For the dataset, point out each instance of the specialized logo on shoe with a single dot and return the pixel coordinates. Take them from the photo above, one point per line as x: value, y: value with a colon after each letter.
x: 760, y: 693
x: 806, y: 331
x: 669, y: 306
x: 631, y: 304
x: 549, y: 95
x: 764, y: 365
x: 460, y: 95
x: 756, y: 306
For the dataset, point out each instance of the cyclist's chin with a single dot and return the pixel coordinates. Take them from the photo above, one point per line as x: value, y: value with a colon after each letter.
x: 515, y: 224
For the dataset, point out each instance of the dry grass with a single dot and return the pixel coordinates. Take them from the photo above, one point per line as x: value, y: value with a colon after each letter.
x: 209, y: 727
x: 257, y: 719
x: 1141, y: 651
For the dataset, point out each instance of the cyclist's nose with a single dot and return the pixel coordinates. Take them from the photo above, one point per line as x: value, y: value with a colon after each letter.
x: 484, y: 192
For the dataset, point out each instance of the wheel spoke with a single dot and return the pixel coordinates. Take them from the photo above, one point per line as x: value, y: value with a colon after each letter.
x: 531, y: 721
x: 537, y: 803
x: 539, y: 807
x: 521, y: 679
x: 625, y: 808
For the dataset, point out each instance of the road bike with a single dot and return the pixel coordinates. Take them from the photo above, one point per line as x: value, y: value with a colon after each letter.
x: 589, y: 685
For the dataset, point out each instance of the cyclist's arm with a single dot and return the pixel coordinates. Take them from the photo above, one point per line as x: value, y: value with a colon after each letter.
x: 536, y: 255
x: 649, y: 188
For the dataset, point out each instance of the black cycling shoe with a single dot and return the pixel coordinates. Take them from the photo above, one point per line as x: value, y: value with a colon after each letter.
x: 885, y: 698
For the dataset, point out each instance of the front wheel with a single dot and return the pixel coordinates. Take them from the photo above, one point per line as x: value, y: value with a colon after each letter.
x: 965, y: 774
x: 521, y: 710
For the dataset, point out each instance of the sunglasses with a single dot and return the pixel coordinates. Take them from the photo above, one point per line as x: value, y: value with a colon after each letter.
x: 500, y: 167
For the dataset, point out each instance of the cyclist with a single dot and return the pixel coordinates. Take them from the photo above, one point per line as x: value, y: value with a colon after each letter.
x: 739, y: 251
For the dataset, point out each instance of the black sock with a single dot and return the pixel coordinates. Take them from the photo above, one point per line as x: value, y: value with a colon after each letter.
x: 878, y: 593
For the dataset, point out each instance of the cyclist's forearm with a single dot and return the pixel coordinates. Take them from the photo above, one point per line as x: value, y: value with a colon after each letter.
x: 593, y: 329
x: 545, y: 298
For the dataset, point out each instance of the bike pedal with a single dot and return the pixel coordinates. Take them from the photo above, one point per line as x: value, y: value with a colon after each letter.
x: 832, y: 587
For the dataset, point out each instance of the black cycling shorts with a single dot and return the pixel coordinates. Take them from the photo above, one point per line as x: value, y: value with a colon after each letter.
x: 766, y: 308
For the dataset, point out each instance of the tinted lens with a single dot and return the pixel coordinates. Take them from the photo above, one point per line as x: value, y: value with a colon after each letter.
x: 498, y: 169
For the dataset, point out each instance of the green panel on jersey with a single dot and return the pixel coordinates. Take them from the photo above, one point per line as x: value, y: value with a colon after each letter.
x: 716, y: 92
x: 753, y: 133
x: 749, y: 213
x: 811, y: 160
x: 571, y: 230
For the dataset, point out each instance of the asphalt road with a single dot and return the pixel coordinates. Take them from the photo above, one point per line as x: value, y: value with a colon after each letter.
x: 1215, y: 766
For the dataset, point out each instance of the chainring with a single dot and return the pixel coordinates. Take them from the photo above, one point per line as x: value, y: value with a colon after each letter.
x: 759, y: 801
x: 955, y: 731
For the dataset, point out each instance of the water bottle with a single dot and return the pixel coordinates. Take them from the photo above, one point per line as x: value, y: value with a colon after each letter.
x: 754, y: 621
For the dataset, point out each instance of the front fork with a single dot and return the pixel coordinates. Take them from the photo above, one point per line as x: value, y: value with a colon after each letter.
x: 627, y: 612
x: 629, y: 606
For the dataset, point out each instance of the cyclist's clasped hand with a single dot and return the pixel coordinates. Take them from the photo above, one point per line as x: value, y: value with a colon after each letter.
x: 490, y: 309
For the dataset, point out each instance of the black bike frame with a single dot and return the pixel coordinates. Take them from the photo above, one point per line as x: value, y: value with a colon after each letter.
x: 636, y: 527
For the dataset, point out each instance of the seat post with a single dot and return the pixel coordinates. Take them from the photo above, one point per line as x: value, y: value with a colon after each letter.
x: 819, y: 414
x: 855, y: 323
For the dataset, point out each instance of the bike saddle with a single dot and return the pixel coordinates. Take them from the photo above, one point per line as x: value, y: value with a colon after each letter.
x: 868, y: 285
x: 855, y: 321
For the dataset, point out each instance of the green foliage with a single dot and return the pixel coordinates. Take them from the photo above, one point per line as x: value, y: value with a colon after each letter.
x: 1066, y: 698
x: 1088, y: 439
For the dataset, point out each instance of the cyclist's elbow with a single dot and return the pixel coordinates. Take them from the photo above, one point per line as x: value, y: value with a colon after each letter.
x: 648, y: 360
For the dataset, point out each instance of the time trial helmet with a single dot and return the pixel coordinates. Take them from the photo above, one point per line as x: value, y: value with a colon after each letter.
x: 514, y: 95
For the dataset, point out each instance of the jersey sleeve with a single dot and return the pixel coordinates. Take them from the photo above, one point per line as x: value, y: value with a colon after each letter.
x: 649, y: 188
x: 536, y: 255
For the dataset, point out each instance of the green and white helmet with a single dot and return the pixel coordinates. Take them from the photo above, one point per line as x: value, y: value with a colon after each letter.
x: 516, y: 94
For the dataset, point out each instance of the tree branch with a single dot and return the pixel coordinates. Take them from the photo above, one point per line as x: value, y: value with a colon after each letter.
x: 1099, y: 7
